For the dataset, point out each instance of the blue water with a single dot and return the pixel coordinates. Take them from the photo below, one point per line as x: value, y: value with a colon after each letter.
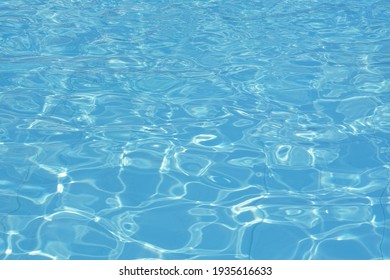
x: 194, y: 129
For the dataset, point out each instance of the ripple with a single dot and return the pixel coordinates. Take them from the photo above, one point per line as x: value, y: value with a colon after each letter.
x: 204, y: 130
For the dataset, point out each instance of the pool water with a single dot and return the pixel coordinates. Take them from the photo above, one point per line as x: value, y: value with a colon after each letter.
x: 194, y: 129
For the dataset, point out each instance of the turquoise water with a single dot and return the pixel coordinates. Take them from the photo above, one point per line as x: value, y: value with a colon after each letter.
x: 194, y: 129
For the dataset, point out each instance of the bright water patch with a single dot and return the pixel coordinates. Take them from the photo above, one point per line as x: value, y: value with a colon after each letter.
x: 194, y: 129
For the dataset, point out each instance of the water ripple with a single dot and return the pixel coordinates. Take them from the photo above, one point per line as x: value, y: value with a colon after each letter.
x: 203, y: 130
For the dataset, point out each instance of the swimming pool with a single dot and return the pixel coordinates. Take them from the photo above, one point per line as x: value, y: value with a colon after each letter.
x: 194, y: 129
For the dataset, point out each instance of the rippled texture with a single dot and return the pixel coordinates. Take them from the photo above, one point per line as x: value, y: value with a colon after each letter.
x: 194, y: 129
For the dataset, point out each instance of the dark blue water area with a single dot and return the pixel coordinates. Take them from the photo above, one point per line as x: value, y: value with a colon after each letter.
x: 194, y: 129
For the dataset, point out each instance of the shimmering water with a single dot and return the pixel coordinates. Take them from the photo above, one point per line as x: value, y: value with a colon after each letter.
x: 194, y: 129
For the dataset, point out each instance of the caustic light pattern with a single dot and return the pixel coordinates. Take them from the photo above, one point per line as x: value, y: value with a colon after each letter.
x: 194, y: 129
